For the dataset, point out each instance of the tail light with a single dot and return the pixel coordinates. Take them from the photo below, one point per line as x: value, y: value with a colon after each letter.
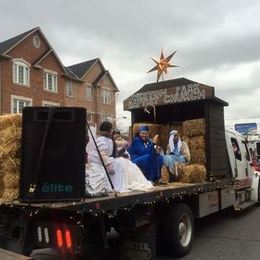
x: 59, y: 238
x: 68, y: 239
x: 64, y: 239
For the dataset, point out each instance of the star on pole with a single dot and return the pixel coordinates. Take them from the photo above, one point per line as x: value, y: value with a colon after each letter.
x: 162, y: 65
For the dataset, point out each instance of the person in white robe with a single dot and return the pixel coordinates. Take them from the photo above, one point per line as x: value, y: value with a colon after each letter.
x: 124, y: 174
x: 177, y: 152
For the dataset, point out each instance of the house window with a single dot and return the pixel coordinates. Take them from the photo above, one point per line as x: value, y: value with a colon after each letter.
x: 21, y: 73
x: 106, y: 97
x: 89, y: 93
x: 50, y: 104
x: 69, y: 89
x: 107, y: 117
x: 104, y: 117
x: 18, y: 103
x: 50, y: 81
x: 89, y: 117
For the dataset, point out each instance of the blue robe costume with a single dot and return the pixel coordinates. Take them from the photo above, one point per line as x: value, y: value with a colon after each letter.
x: 145, y: 157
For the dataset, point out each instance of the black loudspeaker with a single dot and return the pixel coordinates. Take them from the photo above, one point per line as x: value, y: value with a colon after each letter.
x: 53, y: 154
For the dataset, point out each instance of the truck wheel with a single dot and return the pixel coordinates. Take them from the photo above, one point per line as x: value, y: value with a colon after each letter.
x: 177, y: 230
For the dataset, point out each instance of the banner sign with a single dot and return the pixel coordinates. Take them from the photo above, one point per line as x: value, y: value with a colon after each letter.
x: 178, y: 94
x: 246, y: 128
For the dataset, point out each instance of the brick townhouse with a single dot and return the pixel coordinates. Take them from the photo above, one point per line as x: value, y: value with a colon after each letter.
x: 31, y: 74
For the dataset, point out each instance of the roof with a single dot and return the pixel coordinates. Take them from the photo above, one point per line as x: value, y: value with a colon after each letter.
x: 6, y: 45
x: 74, y: 72
x: 71, y: 75
x: 180, y: 90
x: 9, y: 44
x: 101, y: 76
x: 81, y: 68
x: 166, y: 84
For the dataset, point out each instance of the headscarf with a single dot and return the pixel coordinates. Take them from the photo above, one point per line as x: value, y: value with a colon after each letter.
x: 171, y: 143
x: 143, y: 128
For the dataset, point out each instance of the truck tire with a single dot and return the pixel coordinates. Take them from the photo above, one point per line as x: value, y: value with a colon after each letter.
x: 177, y: 230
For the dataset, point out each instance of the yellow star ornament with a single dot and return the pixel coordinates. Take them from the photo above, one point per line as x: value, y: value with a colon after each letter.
x: 162, y: 65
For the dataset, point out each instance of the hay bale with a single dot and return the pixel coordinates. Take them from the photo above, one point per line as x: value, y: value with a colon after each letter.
x: 10, y: 194
x: 195, y: 142
x: 164, y: 137
x: 10, y: 154
x: 193, y: 173
x: 11, y: 165
x: 194, y: 127
x: 2, y: 187
x: 10, y: 142
x: 11, y: 181
x: 165, y: 174
x: 198, y: 156
x: 10, y: 120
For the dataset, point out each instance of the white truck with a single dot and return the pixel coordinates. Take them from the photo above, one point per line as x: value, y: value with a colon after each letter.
x: 161, y: 219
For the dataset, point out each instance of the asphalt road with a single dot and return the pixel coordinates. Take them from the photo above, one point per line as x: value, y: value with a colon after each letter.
x: 226, y: 236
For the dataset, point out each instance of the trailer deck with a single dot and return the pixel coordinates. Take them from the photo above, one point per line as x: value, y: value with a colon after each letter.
x: 129, y: 199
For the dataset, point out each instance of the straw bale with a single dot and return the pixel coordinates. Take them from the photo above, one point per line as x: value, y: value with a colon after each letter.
x: 198, y: 156
x: 195, y: 142
x: 194, y: 127
x: 193, y: 173
x: 164, y: 136
x: 10, y: 120
x: 10, y: 142
x: 11, y: 181
x: 10, y: 154
x: 11, y: 165
x: 10, y: 194
x: 2, y: 187
x: 165, y: 174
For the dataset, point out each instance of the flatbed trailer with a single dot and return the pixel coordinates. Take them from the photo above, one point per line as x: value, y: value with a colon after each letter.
x: 138, y: 217
x: 173, y: 190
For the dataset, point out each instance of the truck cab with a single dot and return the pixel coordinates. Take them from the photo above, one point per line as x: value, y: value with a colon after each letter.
x: 239, y: 156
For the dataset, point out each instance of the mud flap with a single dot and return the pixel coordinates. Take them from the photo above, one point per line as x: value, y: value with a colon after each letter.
x: 138, y: 244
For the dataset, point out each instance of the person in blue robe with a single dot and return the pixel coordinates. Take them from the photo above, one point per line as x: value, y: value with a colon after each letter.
x: 143, y: 153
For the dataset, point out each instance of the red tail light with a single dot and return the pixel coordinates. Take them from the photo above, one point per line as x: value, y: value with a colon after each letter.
x: 59, y: 238
x: 68, y: 239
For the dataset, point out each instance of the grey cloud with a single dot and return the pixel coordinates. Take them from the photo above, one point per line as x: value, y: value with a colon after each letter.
x: 212, y: 38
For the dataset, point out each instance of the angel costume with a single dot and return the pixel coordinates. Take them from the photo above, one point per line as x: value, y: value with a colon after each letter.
x: 127, y: 176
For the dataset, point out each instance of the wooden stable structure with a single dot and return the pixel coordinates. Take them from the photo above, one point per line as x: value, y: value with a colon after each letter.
x: 175, y: 101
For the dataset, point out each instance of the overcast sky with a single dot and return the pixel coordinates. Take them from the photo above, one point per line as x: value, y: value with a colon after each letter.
x: 217, y: 42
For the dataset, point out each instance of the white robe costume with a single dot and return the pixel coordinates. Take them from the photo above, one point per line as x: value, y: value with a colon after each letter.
x: 127, y: 175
